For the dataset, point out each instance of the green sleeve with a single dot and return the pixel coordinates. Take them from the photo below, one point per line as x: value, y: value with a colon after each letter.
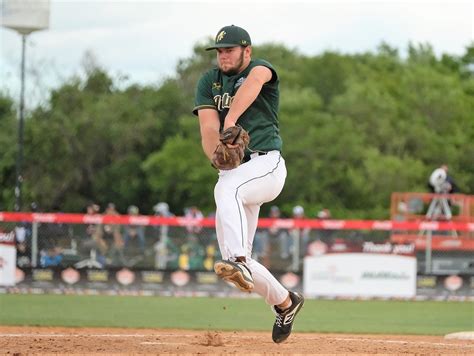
x: 204, y: 98
x: 261, y: 62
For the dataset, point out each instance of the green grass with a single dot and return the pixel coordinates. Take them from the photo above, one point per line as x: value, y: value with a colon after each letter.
x: 396, y: 317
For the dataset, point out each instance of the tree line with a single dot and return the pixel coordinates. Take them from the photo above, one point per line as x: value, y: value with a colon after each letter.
x: 356, y: 127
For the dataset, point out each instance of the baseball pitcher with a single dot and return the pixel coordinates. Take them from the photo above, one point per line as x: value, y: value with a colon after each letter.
x: 237, y: 106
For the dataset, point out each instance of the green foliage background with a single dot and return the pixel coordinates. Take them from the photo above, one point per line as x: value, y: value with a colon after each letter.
x: 355, y: 127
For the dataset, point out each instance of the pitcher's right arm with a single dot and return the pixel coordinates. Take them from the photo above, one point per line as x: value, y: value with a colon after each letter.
x: 209, y: 126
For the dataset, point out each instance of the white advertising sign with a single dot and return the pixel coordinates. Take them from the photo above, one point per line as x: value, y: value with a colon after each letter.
x: 360, y: 275
x: 7, y: 265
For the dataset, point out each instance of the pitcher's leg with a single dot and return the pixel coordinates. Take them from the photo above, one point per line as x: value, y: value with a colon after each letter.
x: 232, y: 267
x: 232, y: 220
x: 265, y: 284
x: 251, y: 213
x: 253, y: 183
x: 220, y: 237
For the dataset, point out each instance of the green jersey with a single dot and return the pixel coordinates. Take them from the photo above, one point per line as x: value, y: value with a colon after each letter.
x: 216, y: 90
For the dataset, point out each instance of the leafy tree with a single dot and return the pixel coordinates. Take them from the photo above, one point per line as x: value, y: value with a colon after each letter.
x: 180, y: 174
x: 355, y: 128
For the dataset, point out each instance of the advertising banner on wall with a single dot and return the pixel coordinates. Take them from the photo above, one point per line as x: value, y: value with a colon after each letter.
x: 130, y: 282
x: 7, y: 259
x: 360, y: 275
x: 124, y: 281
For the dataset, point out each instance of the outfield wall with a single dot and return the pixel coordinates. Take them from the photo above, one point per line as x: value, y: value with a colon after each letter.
x: 150, y: 255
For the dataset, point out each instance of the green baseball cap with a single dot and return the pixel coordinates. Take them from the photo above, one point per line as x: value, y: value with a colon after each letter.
x: 231, y: 36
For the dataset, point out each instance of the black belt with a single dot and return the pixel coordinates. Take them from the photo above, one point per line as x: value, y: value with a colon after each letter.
x: 248, y: 158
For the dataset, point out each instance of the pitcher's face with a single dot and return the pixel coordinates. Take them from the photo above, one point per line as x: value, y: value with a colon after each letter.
x: 233, y: 60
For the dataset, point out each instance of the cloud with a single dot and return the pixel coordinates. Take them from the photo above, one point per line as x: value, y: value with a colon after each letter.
x: 145, y: 39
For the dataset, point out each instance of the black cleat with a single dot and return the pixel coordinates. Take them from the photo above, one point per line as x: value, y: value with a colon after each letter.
x: 235, y: 272
x: 284, y: 319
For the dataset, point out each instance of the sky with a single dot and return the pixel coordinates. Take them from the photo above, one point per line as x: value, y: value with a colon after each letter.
x: 144, y: 40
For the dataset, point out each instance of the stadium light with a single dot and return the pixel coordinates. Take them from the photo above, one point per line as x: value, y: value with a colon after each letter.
x: 24, y: 17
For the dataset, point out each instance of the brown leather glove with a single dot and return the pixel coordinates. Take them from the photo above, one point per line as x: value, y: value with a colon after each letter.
x: 226, y: 157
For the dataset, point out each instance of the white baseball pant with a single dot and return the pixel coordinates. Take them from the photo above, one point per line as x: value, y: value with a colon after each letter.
x: 239, y: 193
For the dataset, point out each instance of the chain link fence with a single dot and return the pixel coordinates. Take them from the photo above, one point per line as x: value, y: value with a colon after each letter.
x: 103, y: 246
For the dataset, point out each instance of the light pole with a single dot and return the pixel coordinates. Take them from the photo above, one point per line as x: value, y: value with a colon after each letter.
x: 19, y: 156
x: 25, y: 17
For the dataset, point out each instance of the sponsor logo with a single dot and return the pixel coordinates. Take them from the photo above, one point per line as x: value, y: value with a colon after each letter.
x: 289, y: 280
x: 97, y: 276
x: 333, y: 224
x: 7, y: 237
x: 46, y: 218
x: 332, y: 275
x: 317, y: 248
x: 239, y: 82
x: 429, y: 225
x: 283, y: 224
x: 180, y: 278
x: 70, y: 276
x: 382, y: 225
x: 384, y: 275
x: 206, y: 278
x: 426, y: 282
x: 139, y: 220
x: 43, y: 275
x: 217, y: 86
x: 152, y: 277
x: 92, y: 219
x: 453, y: 283
x: 289, y: 319
x: 451, y: 243
x: 339, y: 247
x: 420, y: 243
x: 19, y: 276
x: 125, y: 276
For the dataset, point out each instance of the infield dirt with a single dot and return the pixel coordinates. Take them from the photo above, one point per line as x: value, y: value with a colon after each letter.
x: 42, y: 340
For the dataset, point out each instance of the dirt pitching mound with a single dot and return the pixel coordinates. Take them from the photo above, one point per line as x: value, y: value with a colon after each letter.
x: 22, y: 340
